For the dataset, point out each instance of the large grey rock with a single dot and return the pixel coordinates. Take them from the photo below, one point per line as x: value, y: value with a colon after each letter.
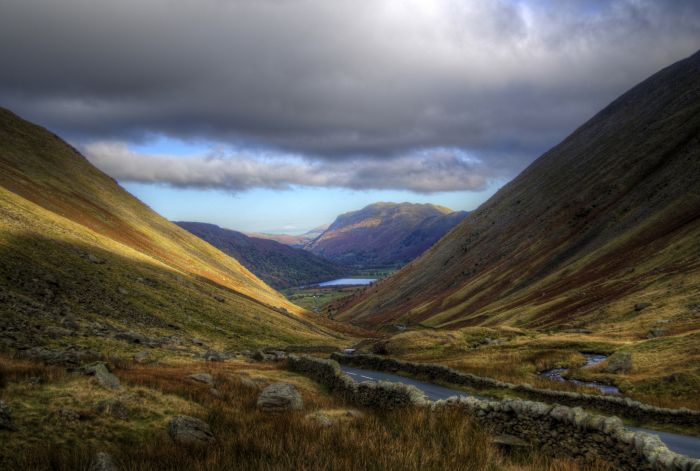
x: 280, y: 397
x: 190, y: 431
x: 103, y: 461
x: 619, y: 362
x: 213, y: 355
x: 106, y: 379
x: 95, y: 260
x: 205, y: 378
x: 320, y: 419
x: 262, y: 356
x: 657, y: 332
x: 5, y: 417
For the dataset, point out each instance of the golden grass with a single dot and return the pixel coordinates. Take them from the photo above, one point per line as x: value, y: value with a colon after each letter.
x: 246, y: 438
x: 666, y: 370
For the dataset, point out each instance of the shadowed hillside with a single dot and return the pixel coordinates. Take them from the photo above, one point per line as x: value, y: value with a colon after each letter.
x: 384, y: 234
x: 606, y: 220
x: 84, y: 265
x: 279, y: 265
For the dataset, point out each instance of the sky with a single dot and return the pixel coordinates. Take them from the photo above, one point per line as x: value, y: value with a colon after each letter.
x: 277, y: 115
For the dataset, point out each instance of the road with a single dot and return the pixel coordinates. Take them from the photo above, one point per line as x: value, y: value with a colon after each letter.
x: 683, y: 444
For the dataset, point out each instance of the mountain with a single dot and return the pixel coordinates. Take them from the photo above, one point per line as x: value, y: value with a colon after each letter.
x: 85, y: 265
x: 279, y: 265
x: 602, y: 231
x: 296, y: 241
x: 384, y: 234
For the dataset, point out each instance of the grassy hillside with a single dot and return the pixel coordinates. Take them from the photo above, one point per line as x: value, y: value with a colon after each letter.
x: 277, y: 264
x: 86, y: 267
x: 600, y: 235
x: 384, y: 234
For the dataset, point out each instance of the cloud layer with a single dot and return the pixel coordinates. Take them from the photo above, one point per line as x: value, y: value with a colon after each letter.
x: 350, y: 86
x: 425, y: 172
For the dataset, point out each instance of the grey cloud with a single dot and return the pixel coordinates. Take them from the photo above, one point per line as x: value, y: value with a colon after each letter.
x: 423, y: 172
x: 335, y: 80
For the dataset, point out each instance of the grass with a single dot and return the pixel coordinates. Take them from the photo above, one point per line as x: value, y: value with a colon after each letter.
x: 665, y: 370
x: 246, y: 438
x: 59, y: 214
x: 316, y: 299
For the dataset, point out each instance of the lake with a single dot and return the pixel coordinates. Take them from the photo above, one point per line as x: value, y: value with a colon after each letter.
x: 348, y: 282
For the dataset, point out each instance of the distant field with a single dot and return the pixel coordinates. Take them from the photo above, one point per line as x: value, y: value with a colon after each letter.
x: 316, y: 298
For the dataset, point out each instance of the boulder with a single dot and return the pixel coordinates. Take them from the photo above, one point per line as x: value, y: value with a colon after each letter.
x: 320, y: 419
x: 190, y: 431
x: 5, y: 417
x: 280, y: 397
x: 641, y: 306
x: 213, y: 355
x: 106, y: 379
x: 262, y: 356
x: 95, y: 260
x: 103, y: 462
x: 657, y: 332
x: 205, y: 378
x: 619, y: 362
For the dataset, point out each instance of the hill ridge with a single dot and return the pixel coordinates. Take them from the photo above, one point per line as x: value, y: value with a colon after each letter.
x: 623, y: 177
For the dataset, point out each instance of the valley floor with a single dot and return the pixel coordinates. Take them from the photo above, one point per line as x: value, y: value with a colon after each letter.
x: 61, y: 419
x: 662, y: 371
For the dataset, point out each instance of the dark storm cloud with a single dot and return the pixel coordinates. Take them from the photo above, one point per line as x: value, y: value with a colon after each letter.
x: 337, y: 82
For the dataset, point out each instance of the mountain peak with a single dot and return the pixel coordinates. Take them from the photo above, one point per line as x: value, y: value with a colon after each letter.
x: 384, y: 234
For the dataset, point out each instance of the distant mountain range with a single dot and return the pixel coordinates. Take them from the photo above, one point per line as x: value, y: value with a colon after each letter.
x: 297, y: 241
x: 384, y: 234
x: 279, y: 265
x: 603, y: 225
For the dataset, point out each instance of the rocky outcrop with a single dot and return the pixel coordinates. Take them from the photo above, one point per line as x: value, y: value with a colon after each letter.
x: 280, y: 397
x: 613, y: 405
x: 104, y: 378
x: 190, y: 431
x: 619, y: 362
x: 205, y: 378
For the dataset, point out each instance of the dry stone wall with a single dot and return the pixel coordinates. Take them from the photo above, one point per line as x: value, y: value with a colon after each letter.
x: 379, y: 395
x: 613, y: 405
x: 555, y: 429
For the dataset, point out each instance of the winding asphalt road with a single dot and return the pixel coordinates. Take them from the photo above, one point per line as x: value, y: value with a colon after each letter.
x: 683, y: 444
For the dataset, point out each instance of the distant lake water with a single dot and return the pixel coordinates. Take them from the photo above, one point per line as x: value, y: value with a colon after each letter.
x: 348, y: 281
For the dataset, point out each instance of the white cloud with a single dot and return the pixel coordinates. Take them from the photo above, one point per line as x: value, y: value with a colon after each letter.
x: 425, y: 172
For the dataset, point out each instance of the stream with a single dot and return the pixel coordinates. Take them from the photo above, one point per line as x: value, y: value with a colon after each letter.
x: 592, y: 359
